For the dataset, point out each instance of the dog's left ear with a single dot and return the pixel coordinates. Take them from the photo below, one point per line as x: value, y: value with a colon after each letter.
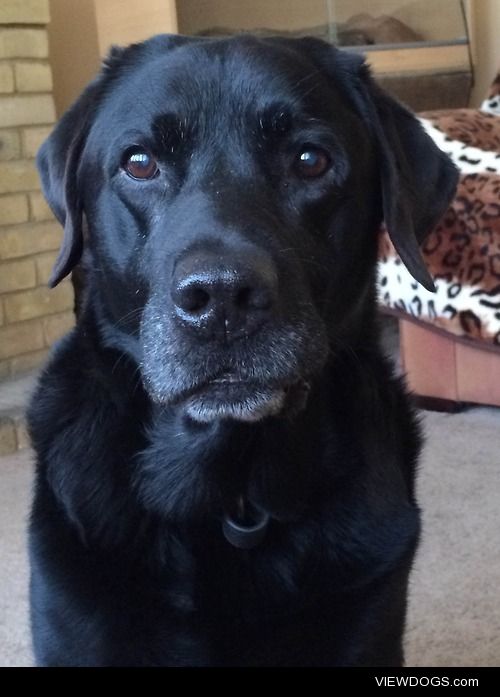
x: 418, y: 180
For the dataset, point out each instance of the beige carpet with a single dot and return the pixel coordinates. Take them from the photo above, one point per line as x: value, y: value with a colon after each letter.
x: 454, y: 615
x: 455, y: 590
x: 15, y: 483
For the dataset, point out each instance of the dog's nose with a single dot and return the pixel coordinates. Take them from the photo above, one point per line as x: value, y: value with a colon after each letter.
x: 224, y: 296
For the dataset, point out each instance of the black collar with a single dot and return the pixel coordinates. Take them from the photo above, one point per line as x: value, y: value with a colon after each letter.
x: 247, y: 527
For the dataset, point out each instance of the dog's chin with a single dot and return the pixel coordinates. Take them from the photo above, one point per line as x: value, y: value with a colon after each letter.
x: 229, y: 398
x: 236, y: 401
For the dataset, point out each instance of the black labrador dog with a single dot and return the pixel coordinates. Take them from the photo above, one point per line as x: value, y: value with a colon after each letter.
x: 225, y: 461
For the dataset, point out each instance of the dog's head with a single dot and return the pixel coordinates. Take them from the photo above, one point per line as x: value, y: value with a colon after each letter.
x: 228, y: 194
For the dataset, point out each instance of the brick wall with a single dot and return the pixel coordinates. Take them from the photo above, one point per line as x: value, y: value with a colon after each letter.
x: 31, y: 316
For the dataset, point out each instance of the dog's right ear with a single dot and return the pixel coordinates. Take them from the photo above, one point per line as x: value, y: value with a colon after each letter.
x: 59, y: 157
x: 57, y: 162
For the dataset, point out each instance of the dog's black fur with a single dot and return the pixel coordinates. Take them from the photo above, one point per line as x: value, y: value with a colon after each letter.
x: 151, y: 422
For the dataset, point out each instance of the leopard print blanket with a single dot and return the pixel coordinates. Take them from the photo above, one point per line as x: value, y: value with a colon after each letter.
x: 492, y: 102
x: 463, y: 251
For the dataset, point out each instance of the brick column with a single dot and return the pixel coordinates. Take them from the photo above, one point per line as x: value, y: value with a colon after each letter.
x: 31, y: 316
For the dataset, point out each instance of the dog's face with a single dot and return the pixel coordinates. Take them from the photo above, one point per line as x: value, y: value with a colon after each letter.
x: 232, y: 191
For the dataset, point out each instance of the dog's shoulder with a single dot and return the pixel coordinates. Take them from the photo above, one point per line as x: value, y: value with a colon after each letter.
x: 57, y: 388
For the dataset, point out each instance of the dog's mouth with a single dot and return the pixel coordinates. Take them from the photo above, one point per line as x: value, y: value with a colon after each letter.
x: 268, y: 374
x: 229, y: 396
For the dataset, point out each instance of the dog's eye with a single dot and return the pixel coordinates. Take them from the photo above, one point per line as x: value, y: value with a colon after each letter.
x: 311, y: 162
x: 138, y: 163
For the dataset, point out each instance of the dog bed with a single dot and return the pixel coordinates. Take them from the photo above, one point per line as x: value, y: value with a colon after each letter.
x: 450, y: 340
